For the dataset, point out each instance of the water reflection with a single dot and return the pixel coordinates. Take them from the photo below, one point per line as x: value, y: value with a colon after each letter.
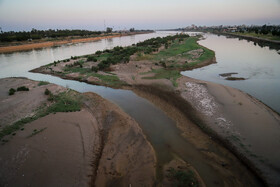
x: 260, y: 65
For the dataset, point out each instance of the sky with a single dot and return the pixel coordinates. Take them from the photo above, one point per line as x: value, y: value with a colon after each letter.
x: 20, y: 15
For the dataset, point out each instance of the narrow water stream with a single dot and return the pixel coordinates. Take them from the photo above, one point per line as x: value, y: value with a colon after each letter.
x: 160, y: 130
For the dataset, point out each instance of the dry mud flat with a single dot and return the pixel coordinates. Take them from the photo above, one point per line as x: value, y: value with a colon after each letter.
x: 98, y: 145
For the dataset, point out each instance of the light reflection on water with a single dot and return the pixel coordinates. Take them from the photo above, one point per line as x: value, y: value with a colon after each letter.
x: 259, y: 65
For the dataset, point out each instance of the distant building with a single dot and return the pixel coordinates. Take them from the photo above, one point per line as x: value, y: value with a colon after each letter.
x: 232, y: 29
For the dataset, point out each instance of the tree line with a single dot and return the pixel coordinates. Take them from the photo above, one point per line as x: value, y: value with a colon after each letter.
x: 265, y: 29
x: 39, y: 34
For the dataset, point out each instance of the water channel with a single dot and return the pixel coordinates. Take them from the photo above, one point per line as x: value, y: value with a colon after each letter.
x: 159, y: 129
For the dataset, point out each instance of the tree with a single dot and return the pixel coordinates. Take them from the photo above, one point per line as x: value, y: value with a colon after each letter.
x: 132, y: 30
x: 109, y: 29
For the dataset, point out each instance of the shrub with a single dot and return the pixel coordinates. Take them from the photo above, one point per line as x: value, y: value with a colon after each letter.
x: 91, y: 58
x: 22, y: 88
x: 163, y: 64
x: 12, y: 91
x: 47, y: 91
x: 94, y: 68
x: 98, y: 52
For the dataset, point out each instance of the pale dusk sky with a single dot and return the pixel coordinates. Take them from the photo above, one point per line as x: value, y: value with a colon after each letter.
x: 140, y: 14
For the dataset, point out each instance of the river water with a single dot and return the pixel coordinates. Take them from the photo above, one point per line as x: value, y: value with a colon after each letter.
x: 259, y: 65
x: 160, y: 130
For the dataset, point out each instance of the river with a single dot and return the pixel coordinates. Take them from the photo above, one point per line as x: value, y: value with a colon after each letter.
x: 160, y: 130
x: 260, y: 66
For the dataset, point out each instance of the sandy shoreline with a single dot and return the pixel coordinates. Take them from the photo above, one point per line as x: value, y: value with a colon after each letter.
x: 97, y: 146
x: 24, y: 47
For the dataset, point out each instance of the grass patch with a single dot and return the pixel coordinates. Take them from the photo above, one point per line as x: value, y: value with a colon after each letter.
x: 41, y: 83
x: 108, y: 80
x: 182, y: 48
x: 64, y: 102
x: 183, y: 178
x: 171, y: 75
x: 140, y: 56
x: 16, y: 126
x: 67, y: 101
x: 103, y: 56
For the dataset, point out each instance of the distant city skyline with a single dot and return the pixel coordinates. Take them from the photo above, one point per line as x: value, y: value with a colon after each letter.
x: 139, y: 14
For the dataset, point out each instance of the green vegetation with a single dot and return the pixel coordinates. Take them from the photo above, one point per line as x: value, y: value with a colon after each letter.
x: 16, y: 126
x: 12, y: 91
x: 268, y: 36
x: 183, y: 178
x: 271, y: 32
x: 22, y: 88
x: 47, y: 91
x: 180, y: 50
x: 64, y: 102
x: 68, y: 101
x: 92, y: 58
x: 41, y: 83
x: 171, y: 75
x: 122, y: 54
x: 40, y: 34
x: 107, y: 80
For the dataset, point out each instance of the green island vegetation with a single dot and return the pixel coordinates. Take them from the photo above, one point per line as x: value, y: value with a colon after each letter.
x: 68, y: 101
x: 183, y: 178
x: 181, y: 55
x: 180, y: 52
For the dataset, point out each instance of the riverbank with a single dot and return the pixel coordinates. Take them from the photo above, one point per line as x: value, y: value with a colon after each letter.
x: 23, y: 46
x: 143, y: 69
x: 251, y: 38
x: 93, y: 140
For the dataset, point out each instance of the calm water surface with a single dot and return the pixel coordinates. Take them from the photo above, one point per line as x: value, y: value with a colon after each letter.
x: 259, y: 65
